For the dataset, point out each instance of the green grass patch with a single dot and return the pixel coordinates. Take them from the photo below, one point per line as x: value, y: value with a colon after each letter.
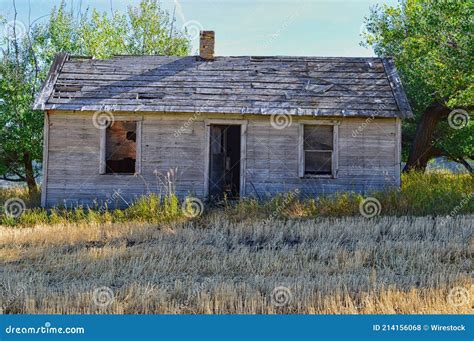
x: 435, y: 193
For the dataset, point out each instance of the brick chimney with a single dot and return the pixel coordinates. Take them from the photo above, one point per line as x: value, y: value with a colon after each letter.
x: 206, y: 45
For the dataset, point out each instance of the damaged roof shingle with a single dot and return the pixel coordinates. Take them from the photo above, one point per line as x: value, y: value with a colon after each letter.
x: 316, y: 86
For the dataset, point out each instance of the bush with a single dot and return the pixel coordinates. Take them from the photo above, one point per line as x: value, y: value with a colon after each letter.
x: 152, y: 208
x: 435, y: 193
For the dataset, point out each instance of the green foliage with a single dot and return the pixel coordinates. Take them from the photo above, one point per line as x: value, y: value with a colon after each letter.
x: 147, y: 209
x: 154, y: 208
x: 150, y: 33
x: 21, y: 128
x: 431, y: 43
x: 435, y: 193
x: 144, y: 30
x: 25, y: 60
x: 30, y: 201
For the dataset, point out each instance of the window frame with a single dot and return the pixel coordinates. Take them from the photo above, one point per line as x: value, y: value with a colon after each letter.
x: 138, y: 146
x: 334, y: 153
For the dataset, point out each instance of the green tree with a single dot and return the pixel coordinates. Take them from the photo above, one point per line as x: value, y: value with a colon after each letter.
x: 21, y: 135
x: 432, y: 46
x: 28, y: 51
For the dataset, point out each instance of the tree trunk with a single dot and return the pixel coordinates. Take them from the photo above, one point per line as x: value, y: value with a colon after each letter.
x: 29, y: 174
x: 422, y: 149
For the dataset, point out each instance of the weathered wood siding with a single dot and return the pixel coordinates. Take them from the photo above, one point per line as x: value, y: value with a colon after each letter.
x: 368, y: 158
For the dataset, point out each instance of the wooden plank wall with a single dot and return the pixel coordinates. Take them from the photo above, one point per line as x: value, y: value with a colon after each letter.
x: 367, y: 159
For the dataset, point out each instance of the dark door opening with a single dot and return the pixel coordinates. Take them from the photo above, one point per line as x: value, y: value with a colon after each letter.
x: 224, y: 158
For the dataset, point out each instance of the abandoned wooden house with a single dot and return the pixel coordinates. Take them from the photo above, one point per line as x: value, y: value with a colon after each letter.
x: 235, y: 126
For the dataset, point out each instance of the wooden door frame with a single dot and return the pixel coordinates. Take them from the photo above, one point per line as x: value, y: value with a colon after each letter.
x: 243, y: 151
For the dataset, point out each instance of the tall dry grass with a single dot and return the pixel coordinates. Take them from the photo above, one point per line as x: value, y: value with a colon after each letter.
x: 344, y: 265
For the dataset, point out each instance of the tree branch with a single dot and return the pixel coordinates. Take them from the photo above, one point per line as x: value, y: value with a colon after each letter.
x: 4, y: 177
x: 444, y: 152
x: 466, y: 165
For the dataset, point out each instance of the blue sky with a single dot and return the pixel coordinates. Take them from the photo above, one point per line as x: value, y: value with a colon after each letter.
x: 245, y: 27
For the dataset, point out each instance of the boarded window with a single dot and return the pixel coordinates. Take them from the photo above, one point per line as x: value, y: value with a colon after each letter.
x: 318, y: 145
x: 121, y: 151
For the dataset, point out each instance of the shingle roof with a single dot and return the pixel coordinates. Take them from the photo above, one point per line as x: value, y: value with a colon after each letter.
x: 315, y: 86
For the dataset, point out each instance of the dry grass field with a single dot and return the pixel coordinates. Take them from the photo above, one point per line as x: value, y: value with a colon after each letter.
x: 213, y: 265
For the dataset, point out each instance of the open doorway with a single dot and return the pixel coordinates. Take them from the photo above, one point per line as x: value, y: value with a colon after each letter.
x: 224, y: 161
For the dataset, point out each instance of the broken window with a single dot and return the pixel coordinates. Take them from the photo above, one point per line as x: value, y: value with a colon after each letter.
x: 120, y: 150
x: 318, y: 148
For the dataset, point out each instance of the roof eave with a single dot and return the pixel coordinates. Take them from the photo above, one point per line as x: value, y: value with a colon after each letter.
x: 397, y: 88
x: 290, y: 111
x: 48, y: 86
